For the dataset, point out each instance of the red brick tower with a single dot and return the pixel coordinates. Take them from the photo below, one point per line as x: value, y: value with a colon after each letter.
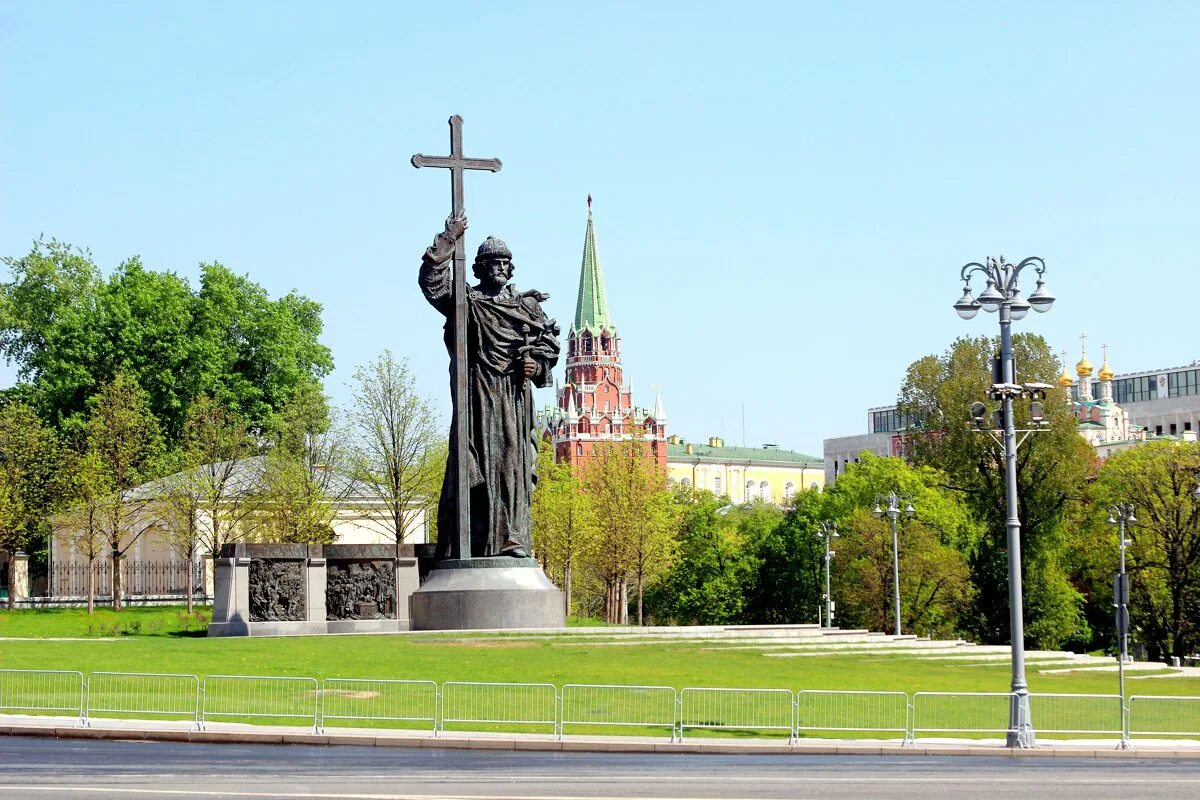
x: 595, y: 404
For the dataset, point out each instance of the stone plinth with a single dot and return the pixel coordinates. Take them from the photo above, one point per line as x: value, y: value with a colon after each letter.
x: 487, y: 594
x: 18, y: 578
x: 283, y: 589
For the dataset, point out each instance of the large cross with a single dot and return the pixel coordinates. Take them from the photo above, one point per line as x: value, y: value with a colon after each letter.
x: 457, y: 163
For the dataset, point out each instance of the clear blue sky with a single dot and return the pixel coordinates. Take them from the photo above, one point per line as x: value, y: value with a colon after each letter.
x: 784, y: 192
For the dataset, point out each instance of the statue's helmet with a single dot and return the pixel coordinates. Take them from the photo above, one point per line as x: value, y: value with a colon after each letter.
x: 493, y: 247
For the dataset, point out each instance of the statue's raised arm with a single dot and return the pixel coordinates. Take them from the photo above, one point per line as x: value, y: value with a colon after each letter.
x: 437, y: 282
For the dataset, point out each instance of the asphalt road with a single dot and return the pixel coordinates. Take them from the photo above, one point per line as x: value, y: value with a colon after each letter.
x: 88, y: 770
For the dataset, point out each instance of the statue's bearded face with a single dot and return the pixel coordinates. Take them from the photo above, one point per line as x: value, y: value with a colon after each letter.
x: 494, y: 273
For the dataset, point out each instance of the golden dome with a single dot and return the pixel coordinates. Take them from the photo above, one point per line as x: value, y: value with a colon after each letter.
x: 1106, y: 373
x: 1084, y: 368
x: 1065, y: 380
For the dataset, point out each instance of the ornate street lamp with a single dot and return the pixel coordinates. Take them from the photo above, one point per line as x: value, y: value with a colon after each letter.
x: 1002, y: 294
x: 893, y: 502
x: 1122, y: 514
x: 828, y: 531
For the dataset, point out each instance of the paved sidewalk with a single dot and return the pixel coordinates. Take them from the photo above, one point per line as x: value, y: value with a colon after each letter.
x: 229, y: 733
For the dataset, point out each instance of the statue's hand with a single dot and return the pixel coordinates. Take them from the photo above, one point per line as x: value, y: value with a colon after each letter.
x: 455, y: 227
x: 443, y: 244
x: 528, y: 367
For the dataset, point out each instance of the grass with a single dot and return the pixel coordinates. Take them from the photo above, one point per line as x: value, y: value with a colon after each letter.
x: 166, y: 640
x: 75, y: 622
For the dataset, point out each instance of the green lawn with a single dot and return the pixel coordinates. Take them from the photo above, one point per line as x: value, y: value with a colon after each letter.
x: 167, y: 641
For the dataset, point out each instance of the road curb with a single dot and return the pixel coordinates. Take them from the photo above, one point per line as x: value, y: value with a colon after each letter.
x: 580, y: 745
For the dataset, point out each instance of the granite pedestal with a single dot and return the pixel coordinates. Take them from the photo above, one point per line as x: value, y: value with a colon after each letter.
x: 487, y: 593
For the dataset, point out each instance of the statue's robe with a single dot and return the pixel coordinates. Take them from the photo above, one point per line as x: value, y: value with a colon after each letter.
x: 503, y: 441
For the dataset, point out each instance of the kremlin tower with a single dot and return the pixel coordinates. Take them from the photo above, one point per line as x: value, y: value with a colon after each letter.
x: 595, y: 403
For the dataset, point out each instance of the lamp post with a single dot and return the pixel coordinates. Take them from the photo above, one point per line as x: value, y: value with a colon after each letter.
x: 893, y: 501
x: 1003, y: 295
x: 1121, y: 514
x: 827, y: 531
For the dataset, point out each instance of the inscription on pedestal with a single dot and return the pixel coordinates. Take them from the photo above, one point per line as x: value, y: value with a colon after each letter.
x: 276, y: 591
x: 360, y: 589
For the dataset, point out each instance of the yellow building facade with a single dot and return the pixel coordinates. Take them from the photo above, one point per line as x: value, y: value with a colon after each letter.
x: 742, y: 473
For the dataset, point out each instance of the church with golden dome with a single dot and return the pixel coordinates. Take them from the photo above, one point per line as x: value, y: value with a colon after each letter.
x: 1104, y: 424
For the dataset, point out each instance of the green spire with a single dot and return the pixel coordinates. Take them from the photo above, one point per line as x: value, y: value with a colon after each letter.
x: 591, y: 309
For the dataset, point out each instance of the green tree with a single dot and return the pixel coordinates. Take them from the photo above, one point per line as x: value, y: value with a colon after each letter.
x: 82, y: 525
x: 123, y: 437
x: 935, y: 588
x: 305, y: 482
x: 1160, y: 478
x: 633, y: 509
x: 69, y: 331
x: 395, y: 437
x: 708, y: 582
x: 30, y: 480
x: 1052, y: 466
x: 564, y: 526
x: 789, y: 581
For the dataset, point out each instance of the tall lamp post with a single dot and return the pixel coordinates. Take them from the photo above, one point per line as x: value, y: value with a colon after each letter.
x: 828, y: 531
x: 1002, y: 294
x: 1121, y: 514
x: 893, y: 501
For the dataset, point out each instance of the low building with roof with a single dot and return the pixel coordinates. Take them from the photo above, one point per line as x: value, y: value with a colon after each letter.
x: 743, y: 474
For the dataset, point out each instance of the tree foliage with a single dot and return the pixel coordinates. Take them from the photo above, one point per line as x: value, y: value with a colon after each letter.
x: 633, y: 510
x: 1164, y: 558
x: 564, y: 526
x: 395, y: 436
x: 70, y: 331
x: 1052, y: 466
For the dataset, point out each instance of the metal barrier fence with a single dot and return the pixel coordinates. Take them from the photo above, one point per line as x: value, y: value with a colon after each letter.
x: 521, y: 704
x: 56, y: 692
x: 545, y: 708
x: 1157, y: 716
x: 853, y: 712
x: 738, y: 709
x: 618, y: 706
x: 961, y: 712
x: 379, y: 701
x: 1080, y: 714
x: 252, y: 696
x: 168, y: 695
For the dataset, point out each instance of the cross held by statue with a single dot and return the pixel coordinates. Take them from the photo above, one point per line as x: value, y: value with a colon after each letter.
x: 457, y: 163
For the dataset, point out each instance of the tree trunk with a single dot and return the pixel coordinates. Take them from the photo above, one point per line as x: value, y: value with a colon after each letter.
x: 567, y: 589
x: 91, y: 583
x: 12, y: 580
x: 191, y: 586
x: 624, y: 601
x: 116, y: 581
x: 639, y: 592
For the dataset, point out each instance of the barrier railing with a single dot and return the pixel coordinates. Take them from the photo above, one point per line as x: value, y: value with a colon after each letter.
x: 1077, y: 714
x: 389, y: 701
x: 957, y: 713
x: 862, y: 712
x: 1164, y: 717
x: 618, y: 706
x: 541, y: 706
x: 142, y: 693
x: 256, y: 697
x: 527, y: 705
x: 53, y: 692
x: 737, y: 709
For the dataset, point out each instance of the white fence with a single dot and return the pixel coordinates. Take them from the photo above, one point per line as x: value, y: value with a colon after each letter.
x: 389, y: 701
x: 738, y: 709
x: 118, y: 694
x: 842, y: 712
x: 618, y: 706
x: 583, y: 708
x: 533, y: 705
x: 55, y: 692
